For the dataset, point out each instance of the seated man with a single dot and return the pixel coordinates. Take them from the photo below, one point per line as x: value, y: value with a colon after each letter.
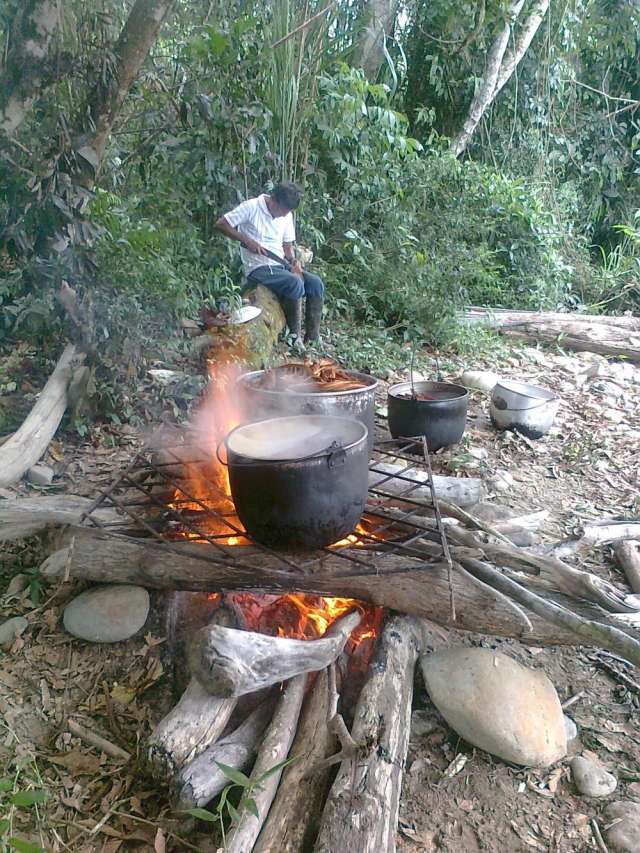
x: 265, y: 224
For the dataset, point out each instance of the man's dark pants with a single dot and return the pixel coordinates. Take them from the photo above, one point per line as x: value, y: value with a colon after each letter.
x: 287, y: 285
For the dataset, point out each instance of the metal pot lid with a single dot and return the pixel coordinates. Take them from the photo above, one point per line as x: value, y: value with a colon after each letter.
x: 245, y: 314
x: 295, y: 437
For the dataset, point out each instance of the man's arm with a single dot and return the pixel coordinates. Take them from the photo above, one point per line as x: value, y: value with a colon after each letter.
x: 233, y: 234
x: 289, y: 254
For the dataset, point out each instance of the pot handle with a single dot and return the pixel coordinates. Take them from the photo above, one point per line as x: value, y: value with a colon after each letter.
x: 218, y: 457
x: 335, y: 456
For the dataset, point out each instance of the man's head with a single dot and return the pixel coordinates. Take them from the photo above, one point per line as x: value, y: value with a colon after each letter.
x: 284, y: 198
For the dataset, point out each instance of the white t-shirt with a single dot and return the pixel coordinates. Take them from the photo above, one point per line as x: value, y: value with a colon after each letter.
x: 252, y: 218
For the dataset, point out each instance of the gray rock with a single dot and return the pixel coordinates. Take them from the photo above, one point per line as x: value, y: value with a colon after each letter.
x: 12, y: 628
x: 107, y: 614
x: 570, y: 728
x: 17, y: 584
x: 497, y: 704
x: 633, y: 790
x: 591, y: 779
x: 501, y: 481
x: 623, y: 833
x: 40, y: 475
x: 422, y: 723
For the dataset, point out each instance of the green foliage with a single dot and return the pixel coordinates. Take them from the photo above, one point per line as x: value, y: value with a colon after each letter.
x: 21, y: 797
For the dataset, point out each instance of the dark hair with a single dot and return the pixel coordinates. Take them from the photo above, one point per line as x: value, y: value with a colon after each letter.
x: 287, y: 194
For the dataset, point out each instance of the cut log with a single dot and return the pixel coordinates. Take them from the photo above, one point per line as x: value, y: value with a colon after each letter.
x: 188, y: 729
x: 201, y: 780
x: 294, y: 817
x: 504, y: 316
x: 27, y: 444
x: 274, y: 750
x: 22, y: 517
x: 627, y: 552
x: 249, y: 343
x: 232, y: 663
x: 392, y: 479
x: 361, y: 813
x: 408, y: 585
x: 601, y: 534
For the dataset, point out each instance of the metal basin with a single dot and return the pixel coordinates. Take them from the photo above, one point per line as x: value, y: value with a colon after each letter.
x: 359, y: 403
x: 527, y: 409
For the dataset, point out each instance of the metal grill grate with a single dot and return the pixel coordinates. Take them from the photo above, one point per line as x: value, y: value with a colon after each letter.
x: 153, y: 501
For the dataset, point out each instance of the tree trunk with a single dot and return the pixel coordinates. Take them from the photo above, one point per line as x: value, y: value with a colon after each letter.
x: 506, y: 316
x: 136, y: 39
x: 374, y: 24
x: 26, y: 446
x: 28, y: 66
x: 525, y: 36
x: 627, y: 552
x: 486, y: 91
x: 400, y: 583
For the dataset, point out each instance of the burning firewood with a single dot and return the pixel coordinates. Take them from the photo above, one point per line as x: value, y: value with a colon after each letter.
x: 361, y: 813
x: 189, y: 728
x: 232, y: 663
x: 273, y: 751
x: 202, y: 779
x: 296, y: 810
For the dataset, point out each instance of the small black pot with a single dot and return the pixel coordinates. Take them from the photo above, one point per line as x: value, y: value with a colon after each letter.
x: 441, y: 419
x: 306, y: 502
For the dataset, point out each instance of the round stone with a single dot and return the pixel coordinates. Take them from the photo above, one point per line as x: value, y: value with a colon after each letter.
x: 623, y: 831
x: 107, y: 614
x: 570, y: 728
x: 12, y: 628
x: 497, y: 704
x: 591, y: 779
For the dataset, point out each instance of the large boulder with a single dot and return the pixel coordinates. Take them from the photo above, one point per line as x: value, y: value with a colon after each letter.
x: 497, y: 704
x: 623, y: 826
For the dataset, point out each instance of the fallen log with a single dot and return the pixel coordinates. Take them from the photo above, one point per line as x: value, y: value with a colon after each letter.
x: 232, y: 663
x: 273, y: 751
x: 582, y: 343
x: 602, y: 534
x: 188, y: 729
x: 202, y: 779
x: 293, y: 819
x: 408, y: 585
x: 29, y: 442
x: 627, y: 552
x: 502, y: 316
x: 20, y: 517
x: 361, y: 813
x: 391, y: 479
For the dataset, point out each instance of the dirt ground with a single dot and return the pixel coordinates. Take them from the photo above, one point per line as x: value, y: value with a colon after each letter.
x: 455, y: 798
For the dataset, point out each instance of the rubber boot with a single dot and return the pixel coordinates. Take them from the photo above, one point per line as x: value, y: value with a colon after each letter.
x: 313, y: 316
x: 293, y: 315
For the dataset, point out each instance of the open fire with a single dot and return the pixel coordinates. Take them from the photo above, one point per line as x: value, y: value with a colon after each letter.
x: 206, y: 487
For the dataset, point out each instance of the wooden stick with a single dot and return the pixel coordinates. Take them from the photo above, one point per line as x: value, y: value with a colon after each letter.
x: 201, y: 780
x: 22, y: 517
x: 188, y: 729
x: 627, y: 552
x: 361, y: 813
x: 388, y: 478
x: 27, y: 444
x: 99, y: 742
x: 231, y: 663
x: 293, y: 819
x: 273, y: 751
x: 601, y: 534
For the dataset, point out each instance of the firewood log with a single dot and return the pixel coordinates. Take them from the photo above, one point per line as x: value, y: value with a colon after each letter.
x: 294, y: 817
x: 273, y: 750
x: 201, y: 779
x: 628, y: 553
x: 231, y: 663
x: 188, y: 729
x: 392, y: 479
x: 408, y: 585
x: 361, y: 813
x: 29, y: 442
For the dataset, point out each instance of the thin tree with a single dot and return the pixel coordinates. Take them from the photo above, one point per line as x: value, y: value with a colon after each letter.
x: 500, y: 65
x: 374, y: 24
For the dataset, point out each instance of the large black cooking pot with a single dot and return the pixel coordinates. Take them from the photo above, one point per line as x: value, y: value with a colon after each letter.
x: 299, y: 482
x: 360, y: 403
x: 440, y: 416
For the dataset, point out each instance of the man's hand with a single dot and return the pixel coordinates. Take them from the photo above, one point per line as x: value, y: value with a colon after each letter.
x: 253, y: 246
x: 296, y: 267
